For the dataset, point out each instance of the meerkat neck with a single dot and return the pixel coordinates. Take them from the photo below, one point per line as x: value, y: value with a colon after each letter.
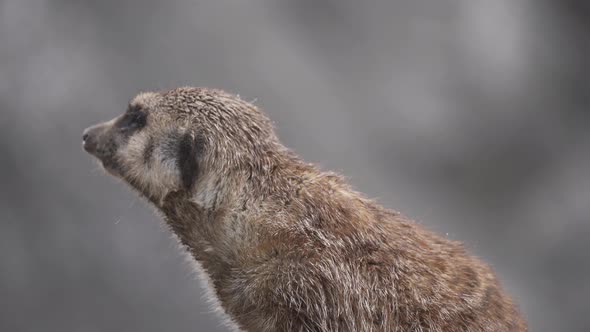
x: 205, y: 220
x: 235, y: 184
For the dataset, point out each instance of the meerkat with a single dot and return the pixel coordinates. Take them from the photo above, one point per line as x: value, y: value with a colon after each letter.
x: 286, y: 246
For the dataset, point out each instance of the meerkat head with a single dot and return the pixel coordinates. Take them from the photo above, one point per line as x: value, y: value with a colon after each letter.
x: 167, y: 141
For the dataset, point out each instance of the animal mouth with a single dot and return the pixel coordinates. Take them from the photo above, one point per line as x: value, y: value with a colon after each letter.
x: 93, y: 145
x: 90, y: 139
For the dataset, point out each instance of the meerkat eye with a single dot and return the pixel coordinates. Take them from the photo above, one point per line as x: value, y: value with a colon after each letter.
x: 134, y: 118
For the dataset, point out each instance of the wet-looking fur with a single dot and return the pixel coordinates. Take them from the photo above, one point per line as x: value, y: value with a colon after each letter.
x: 288, y: 247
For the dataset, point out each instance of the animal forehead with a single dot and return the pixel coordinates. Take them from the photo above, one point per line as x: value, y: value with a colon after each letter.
x: 207, y: 104
x: 182, y: 99
x: 144, y: 100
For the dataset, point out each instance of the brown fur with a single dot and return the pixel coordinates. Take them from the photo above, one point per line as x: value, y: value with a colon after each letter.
x: 286, y: 246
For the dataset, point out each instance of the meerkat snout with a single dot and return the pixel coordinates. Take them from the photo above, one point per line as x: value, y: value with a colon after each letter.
x: 89, y: 139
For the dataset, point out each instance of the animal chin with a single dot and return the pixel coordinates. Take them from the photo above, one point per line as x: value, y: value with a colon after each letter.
x: 110, y: 166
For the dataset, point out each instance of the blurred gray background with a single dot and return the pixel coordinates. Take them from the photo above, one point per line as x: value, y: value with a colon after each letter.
x: 470, y: 116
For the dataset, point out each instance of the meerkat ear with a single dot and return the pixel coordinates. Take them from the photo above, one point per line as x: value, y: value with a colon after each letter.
x: 190, y: 150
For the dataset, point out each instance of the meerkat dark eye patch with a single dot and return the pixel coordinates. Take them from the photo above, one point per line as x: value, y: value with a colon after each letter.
x: 133, y: 108
x: 132, y: 120
x: 189, y: 151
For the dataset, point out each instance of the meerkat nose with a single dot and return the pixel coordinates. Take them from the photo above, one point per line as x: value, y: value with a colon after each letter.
x: 87, y: 141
